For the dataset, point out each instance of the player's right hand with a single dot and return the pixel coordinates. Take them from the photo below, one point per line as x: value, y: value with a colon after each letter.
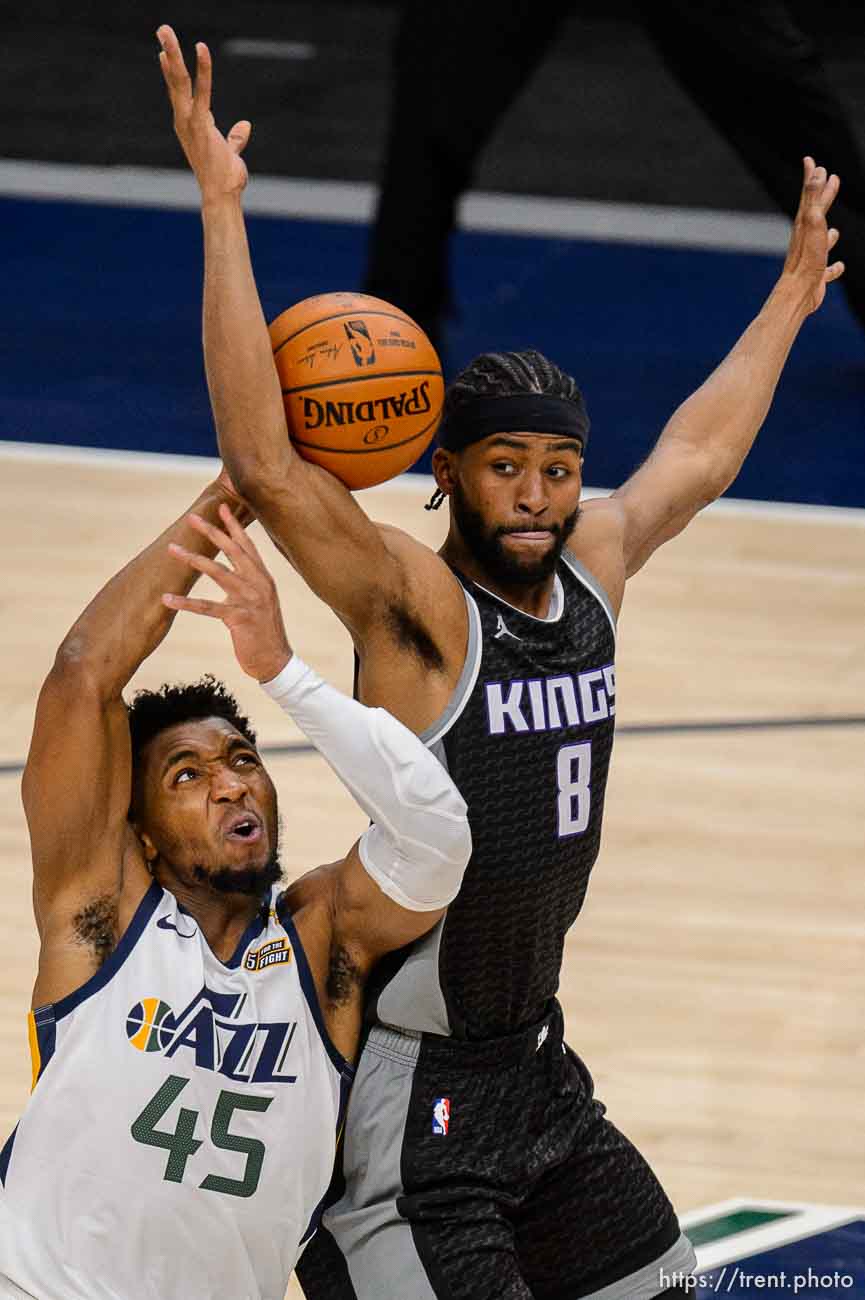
x: 213, y: 157
x: 251, y: 610
x: 812, y: 239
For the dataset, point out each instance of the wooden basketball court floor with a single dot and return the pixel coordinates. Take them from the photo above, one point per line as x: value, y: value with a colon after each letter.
x: 714, y: 981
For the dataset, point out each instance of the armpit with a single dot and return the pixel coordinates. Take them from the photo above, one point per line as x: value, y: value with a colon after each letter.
x: 344, y: 977
x: 411, y: 634
x: 95, y: 927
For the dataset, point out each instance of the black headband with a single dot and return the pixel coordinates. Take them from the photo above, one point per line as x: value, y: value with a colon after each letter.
x: 478, y: 417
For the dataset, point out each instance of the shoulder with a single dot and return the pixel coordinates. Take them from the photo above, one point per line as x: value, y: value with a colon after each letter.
x: 424, y: 568
x: 597, y: 543
x: 81, y: 926
x: 429, y: 605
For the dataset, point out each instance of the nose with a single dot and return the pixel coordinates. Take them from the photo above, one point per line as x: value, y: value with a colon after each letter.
x: 227, y: 786
x: 532, y: 496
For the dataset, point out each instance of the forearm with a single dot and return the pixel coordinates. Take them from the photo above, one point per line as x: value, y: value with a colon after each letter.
x: 417, y: 849
x: 126, y: 621
x: 311, y: 517
x: 245, y: 391
x: 721, y: 419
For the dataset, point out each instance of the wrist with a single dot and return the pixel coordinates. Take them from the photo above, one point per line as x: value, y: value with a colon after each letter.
x: 793, y: 295
x: 284, y: 679
x: 221, y: 206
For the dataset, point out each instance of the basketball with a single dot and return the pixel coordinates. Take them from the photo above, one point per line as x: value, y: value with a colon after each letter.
x: 361, y: 382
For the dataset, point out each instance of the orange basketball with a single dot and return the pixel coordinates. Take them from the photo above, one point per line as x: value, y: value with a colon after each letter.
x: 362, y: 385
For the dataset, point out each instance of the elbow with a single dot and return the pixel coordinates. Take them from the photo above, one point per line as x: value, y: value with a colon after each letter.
x: 78, y: 670
x: 449, y: 847
x: 260, y: 477
x: 445, y: 812
x: 454, y: 838
x: 717, y: 470
x: 724, y: 476
x: 73, y: 659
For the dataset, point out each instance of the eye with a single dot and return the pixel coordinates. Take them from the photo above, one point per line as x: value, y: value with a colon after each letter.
x: 246, y: 759
x: 558, y: 471
x: 183, y: 774
x: 504, y: 467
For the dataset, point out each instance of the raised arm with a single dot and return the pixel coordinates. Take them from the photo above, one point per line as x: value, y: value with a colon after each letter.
x: 76, y: 786
x: 395, y: 882
x: 705, y: 442
x: 357, y: 568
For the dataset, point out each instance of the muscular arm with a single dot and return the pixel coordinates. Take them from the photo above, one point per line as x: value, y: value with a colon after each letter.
x: 360, y: 570
x: 76, y: 785
x: 311, y: 516
x: 394, y: 884
x: 396, y: 881
x: 704, y: 444
x: 408, y: 866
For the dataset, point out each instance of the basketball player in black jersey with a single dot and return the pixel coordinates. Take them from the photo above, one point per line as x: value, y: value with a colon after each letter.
x: 477, y: 1162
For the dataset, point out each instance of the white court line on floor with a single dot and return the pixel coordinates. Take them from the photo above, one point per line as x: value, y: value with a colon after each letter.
x: 153, y: 187
x: 201, y: 466
x: 807, y: 1219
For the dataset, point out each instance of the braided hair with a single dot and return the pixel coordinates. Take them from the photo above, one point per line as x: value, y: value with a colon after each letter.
x: 505, y: 374
x: 501, y: 374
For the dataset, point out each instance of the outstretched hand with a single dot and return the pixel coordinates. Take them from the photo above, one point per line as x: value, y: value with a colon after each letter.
x: 813, y: 239
x: 251, y: 609
x: 213, y: 157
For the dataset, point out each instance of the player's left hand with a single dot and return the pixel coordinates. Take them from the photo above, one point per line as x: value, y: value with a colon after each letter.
x: 251, y: 610
x: 812, y: 240
x: 213, y: 157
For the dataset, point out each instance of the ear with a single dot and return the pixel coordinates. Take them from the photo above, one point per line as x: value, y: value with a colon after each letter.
x: 149, y: 849
x: 444, y: 468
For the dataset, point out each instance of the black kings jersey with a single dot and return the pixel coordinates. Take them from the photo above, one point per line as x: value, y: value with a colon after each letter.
x: 527, y: 738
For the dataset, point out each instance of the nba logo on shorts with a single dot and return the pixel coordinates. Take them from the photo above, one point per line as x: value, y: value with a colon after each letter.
x: 441, y: 1116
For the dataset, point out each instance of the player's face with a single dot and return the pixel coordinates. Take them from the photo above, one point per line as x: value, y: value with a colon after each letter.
x: 206, y: 808
x: 515, y: 500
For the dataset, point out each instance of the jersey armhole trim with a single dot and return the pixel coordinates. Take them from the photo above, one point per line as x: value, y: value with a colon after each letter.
x: 343, y: 1067
x: 42, y: 1035
x: 113, y: 962
x: 468, y: 677
x: 590, y: 582
x: 6, y: 1155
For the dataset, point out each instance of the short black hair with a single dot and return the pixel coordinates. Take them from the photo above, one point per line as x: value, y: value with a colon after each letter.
x: 504, y: 374
x: 153, y: 711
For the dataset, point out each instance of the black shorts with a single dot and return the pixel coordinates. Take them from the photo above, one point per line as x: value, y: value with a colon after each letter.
x: 487, y: 1171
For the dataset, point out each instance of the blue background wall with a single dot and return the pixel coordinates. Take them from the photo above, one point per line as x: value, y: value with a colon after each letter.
x: 102, y: 333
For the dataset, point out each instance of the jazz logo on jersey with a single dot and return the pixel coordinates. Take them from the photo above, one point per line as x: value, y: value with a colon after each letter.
x: 274, y: 953
x: 210, y: 1035
x: 143, y: 1025
x: 441, y: 1121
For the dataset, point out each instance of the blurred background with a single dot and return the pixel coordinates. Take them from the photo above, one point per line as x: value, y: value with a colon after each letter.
x: 609, y: 223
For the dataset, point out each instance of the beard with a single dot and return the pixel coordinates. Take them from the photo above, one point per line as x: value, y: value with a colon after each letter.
x: 248, y: 882
x: 487, y: 548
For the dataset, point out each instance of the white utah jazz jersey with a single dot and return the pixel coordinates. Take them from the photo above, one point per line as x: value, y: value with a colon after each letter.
x: 182, y: 1128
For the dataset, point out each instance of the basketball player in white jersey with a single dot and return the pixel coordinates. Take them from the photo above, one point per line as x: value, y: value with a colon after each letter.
x: 477, y: 1161
x: 194, y: 1023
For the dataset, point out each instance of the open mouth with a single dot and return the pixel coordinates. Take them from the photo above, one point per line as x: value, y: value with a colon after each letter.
x: 245, y: 827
